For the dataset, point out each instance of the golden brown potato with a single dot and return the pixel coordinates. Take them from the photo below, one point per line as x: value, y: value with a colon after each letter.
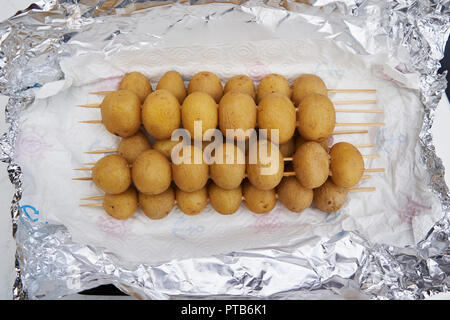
x: 208, y: 83
x: 242, y: 84
x: 121, y: 113
x: 199, y: 106
x: 273, y: 83
x: 287, y: 149
x: 151, y: 172
x: 192, y: 203
x: 157, y: 206
x: 258, y: 201
x: 299, y: 140
x: 316, y: 117
x: 276, y: 111
x: 266, y: 172
x: 224, y: 201
x: 188, y: 175
x: 165, y: 147
x: 130, y: 148
x: 307, y: 84
x: 346, y: 164
x: 138, y: 83
x: 293, y: 195
x: 161, y: 114
x: 311, y: 164
x: 329, y: 197
x: 123, y: 205
x: 172, y: 81
x: 231, y: 171
x: 112, y: 174
x: 237, y: 111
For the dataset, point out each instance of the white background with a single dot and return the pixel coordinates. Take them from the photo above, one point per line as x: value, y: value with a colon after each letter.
x: 441, y: 133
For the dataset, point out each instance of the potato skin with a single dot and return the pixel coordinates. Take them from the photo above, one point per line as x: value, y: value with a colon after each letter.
x: 311, y: 164
x: 299, y: 140
x: 130, y: 148
x: 138, y: 83
x: 190, y: 177
x: 199, y: 106
x: 157, y: 206
x: 151, y: 172
x: 228, y: 175
x: 224, y: 201
x: 237, y: 111
x: 173, y: 82
x: 208, y: 83
x: 293, y: 195
x: 242, y: 84
x: 307, y: 84
x: 121, y: 113
x: 123, y: 205
x: 329, y: 197
x: 165, y: 147
x: 316, y: 117
x: 287, y: 149
x: 161, y: 114
x: 112, y: 174
x: 258, y: 201
x: 346, y: 164
x: 192, y: 203
x: 273, y: 83
x: 276, y: 111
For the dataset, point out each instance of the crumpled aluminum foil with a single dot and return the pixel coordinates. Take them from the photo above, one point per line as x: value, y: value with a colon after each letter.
x: 50, y: 265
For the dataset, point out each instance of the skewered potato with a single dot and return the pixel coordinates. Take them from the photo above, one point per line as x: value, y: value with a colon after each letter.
x: 276, y: 111
x: 111, y: 174
x: 161, y: 114
x: 242, y: 84
x: 138, y: 83
x: 346, y: 164
x: 188, y: 175
x: 172, y: 81
x: 316, y: 117
x: 266, y: 172
x: 208, y: 83
x: 307, y: 84
x: 123, y: 205
x: 299, y: 140
x: 287, y: 149
x: 157, y: 206
x: 130, y: 148
x: 165, y: 147
x: 228, y: 169
x: 273, y: 83
x: 293, y: 195
x: 151, y: 172
x: 224, y: 201
x: 329, y: 197
x: 258, y: 201
x: 199, y: 106
x: 192, y: 203
x: 311, y: 164
x: 121, y: 113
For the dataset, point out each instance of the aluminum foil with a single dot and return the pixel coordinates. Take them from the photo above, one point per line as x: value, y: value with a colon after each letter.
x: 50, y: 265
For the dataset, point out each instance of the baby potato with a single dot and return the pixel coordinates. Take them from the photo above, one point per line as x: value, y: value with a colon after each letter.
x: 165, y: 147
x: 266, y: 172
x: 316, y: 117
x: 242, y: 84
x: 208, y: 83
x: 121, y: 206
x: 188, y: 175
x: 192, y: 203
x: 199, y: 106
x: 258, y: 201
x: 121, y: 113
x: 293, y: 195
x: 228, y: 169
x: 273, y: 83
x: 276, y: 111
x: 161, y: 114
x: 157, y: 206
x: 138, y: 83
x: 130, y: 148
x: 311, y: 164
x: 307, y: 84
x: 224, y: 201
x: 237, y: 111
x: 329, y: 197
x: 346, y: 164
x: 299, y: 140
x: 287, y: 149
x: 172, y: 81
x: 112, y: 174
x: 151, y: 172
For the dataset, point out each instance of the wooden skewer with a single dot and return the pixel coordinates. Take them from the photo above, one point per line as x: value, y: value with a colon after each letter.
x: 351, y: 90
x: 367, y: 156
x: 90, y: 105
x: 101, y: 92
x: 92, y: 205
x: 354, y: 102
x: 375, y: 170
x: 349, y: 132
x: 94, y: 198
x: 359, y: 111
x: 91, y: 121
x: 102, y: 151
x: 361, y: 124
x: 362, y: 189
x: 83, y: 179
x: 369, y: 145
